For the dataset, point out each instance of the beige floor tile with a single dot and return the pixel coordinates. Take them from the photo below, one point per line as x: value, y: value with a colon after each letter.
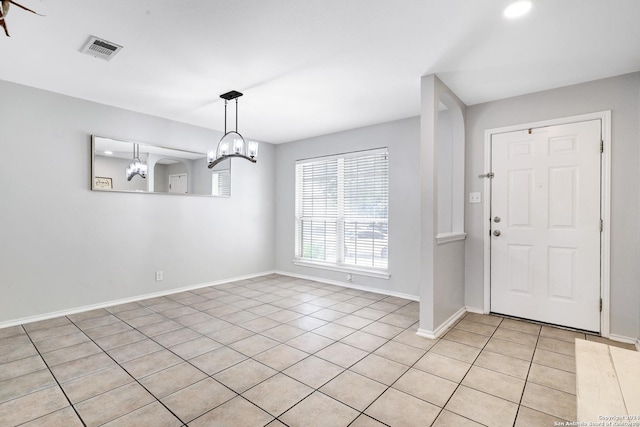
x: 449, y: 419
x: 484, y: 318
x: 310, y: 342
x: 561, y: 334
x: 313, y: 371
x: 210, y: 326
x: 172, y: 379
x: 516, y: 336
x: 510, y: 349
x: 283, y: 333
x: 253, y: 345
x: 57, y: 343
x: 396, y: 408
x: 284, y: 316
x: 370, y: 313
x: 555, y: 360
x: 57, y: 331
x: 58, y: 357
x: 398, y: 320
x: 160, y: 328
x: 519, y: 325
x: 354, y: 322
x: 366, y: 421
x: 383, y: 330
x: 307, y: 323
x: 134, y: 350
x: 132, y: 314
x: 334, y: 331
x: 151, y: 363
x: 46, y: 324
x: 552, y: 378
x: 464, y: 353
x: 197, y: 399
x: 260, y: 324
x: 341, y: 354
x: 264, y: 309
x: 244, y: 375
x: 557, y: 346
x: 66, y: 417
x: 401, y: 353
x: 195, y: 347
x: 353, y: 389
x: 426, y: 386
x: 230, y: 335
x: 118, y: 340
x: 549, y: 401
x: 148, y: 319
x: 32, y: 406
x: 113, y: 404
x: 97, y: 321
x: 240, y: 317
x: 364, y: 341
x: 277, y: 394
x: 235, y: 412
x: 475, y: 327
x: 176, y: 337
x: 504, y: 364
x: 154, y: 414
x: 81, y: 367
x: 91, y: 314
x: 468, y: 338
x: 14, y: 341
x: 494, y: 383
x: 104, y: 331
x: 443, y: 366
x: 16, y: 352
x: 380, y: 369
x: 319, y: 410
x: 12, y: 331
x: 409, y: 337
x: 482, y: 408
x: 25, y: 384
x: 281, y: 357
x: 96, y: 383
x: 217, y: 360
x: 346, y: 307
x: 530, y: 418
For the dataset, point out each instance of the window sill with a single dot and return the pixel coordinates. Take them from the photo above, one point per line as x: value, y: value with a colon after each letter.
x: 343, y: 269
x: 450, y: 237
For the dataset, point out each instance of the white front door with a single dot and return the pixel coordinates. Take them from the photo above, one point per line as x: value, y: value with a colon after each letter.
x: 178, y: 183
x: 545, y: 224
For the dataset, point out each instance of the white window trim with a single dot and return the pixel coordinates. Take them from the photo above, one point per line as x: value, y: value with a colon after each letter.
x: 382, y: 274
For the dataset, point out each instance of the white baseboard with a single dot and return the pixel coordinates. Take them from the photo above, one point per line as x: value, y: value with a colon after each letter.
x: 443, y: 327
x: 638, y: 344
x: 623, y: 339
x: 111, y: 303
x: 351, y: 285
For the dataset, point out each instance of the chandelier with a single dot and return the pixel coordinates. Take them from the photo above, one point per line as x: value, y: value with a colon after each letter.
x: 136, y: 167
x: 232, y: 144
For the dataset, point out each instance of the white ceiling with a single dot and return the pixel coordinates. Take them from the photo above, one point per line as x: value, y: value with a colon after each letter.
x: 312, y: 67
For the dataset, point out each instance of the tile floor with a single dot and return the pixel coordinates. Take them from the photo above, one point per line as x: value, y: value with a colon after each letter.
x: 282, y: 351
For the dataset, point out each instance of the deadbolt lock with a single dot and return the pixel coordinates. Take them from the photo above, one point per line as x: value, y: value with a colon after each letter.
x: 497, y: 219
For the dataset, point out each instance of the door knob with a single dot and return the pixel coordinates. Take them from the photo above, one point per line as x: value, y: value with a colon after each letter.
x: 496, y: 233
x: 497, y: 219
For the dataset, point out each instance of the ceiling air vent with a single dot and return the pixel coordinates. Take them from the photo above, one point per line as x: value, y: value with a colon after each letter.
x: 100, y: 48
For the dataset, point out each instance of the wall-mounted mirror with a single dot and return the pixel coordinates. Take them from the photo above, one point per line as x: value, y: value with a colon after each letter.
x: 161, y: 170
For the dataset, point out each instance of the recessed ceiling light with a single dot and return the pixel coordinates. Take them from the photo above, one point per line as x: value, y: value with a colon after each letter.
x: 517, y: 8
x: 108, y: 153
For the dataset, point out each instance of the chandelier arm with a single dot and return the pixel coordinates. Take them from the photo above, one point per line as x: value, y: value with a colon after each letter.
x: 228, y: 156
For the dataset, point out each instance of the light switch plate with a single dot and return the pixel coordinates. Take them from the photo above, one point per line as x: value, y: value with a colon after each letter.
x: 475, y: 197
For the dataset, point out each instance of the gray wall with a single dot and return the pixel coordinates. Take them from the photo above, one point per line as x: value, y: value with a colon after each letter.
x: 64, y: 246
x: 621, y: 95
x: 403, y: 138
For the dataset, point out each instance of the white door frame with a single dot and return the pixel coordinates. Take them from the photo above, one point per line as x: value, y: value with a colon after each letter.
x: 605, y: 205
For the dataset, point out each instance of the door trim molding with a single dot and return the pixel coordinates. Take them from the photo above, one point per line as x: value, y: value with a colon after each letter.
x: 605, y: 206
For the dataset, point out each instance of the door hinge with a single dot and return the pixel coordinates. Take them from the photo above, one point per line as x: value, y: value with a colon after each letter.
x: 601, y: 225
x: 487, y: 175
x: 601, y: 146
x: 601, y: 305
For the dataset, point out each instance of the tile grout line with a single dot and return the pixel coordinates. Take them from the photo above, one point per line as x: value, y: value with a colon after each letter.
x: 55, y: 378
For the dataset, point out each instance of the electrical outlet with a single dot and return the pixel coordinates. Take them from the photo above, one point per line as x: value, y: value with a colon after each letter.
x: 475, y: 197
x: 159, y: 276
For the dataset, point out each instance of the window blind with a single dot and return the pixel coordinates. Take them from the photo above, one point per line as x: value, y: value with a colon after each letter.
x: 342, y: 209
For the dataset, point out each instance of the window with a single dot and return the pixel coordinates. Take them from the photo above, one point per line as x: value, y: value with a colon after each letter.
x: 221, y: 183
x: 342, y: 205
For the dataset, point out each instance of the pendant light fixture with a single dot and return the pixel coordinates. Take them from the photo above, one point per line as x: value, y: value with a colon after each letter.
x: 136, y: 167
x: 232, y: 144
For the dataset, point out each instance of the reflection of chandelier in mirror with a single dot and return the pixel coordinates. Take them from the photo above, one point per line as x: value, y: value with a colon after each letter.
x: 136, y: 167
x: 232, y: 144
